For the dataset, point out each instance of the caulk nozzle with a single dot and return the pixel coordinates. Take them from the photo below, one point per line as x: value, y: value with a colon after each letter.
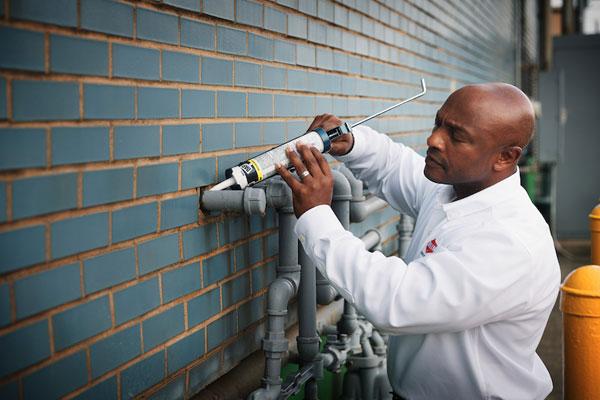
x: 224, y: 185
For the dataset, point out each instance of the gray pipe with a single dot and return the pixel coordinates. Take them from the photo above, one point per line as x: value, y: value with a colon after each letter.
x: 249, y: 200
x: 405, y: 229
x: 360, y: 208
x: 308, y: 338
x: 371, y: 239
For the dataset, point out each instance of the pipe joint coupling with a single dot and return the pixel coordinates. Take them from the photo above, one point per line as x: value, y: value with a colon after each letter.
x: 275, y: 345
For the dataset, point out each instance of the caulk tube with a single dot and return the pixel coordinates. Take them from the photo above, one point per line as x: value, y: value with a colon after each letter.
x: 263, y: 166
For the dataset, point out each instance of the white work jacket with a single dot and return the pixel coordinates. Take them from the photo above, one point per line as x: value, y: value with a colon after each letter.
x: 468, y: 306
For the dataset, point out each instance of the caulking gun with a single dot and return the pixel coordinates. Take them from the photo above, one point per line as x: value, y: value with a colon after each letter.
x: 263, y: 166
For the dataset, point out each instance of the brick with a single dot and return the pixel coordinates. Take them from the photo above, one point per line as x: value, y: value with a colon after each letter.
x: 219, y: 8
x: 180, y: 67
x: 197, y: 34
x: 137, y: 141
x: 181, y: 281
x: 81, y: 322
x: 297, y: 26
x: 260, y: 105
x: 185, y: 351
x: 107, y: 16
x: 142, y: 375
x: 79, y: 145
x: 232, y: 230
x: 181, y: 139
x: 325, y: 10
x: 216, y: 268
x: 4, y: 305
x: 200, y: 240
x: 285, y: 105
x: 56, y: 12
x: 13, y: 255
x: 248, y: 134
x: 231, y: 41
x: 158, y: 103
x: 157, y: 26
x: 324, y: 58
x: 65, y: 56
x: 47, y: 289
x: 21, y: 49
x: 254, y: 250
x: 272, y: 245
x: 22, y: 148
x: 57, y: 379
x: 193, y: 5
x: 108, y: 102
x: 3, y: 102
x: 24, y: 347
x: 206, y: 372
x: 273, y: 78
x: 235, y: 290
x: 131, y: 222
x: 107, y: 186
x: 227, y: 161
x: 116, y: 349
x: 221, y: 330
x: 249, y: 13
x: 247, y: 74
x: 179, y: 211
x: 317, y: 32
x: 284, y: 52
x: 135, y: 62
x: 306, y: 55
x: 136, y: 300
x: 161, y: 327
x: 251, y: 312
x: 308, y: 6
x: 107, y: 389
x: 157, y: 253
x: 9, y: 391
x: 262, y: 276
x: 196, y: 173
x: 203, y: 307
x: 79, y: 234
x: 59, y: 192
x: 197, y: 103
x: 260, y: 47
x: 217, y: 137
x: 231, y: 104
x: 274, y: 20
x: 216, y: 71
x: 156, y: 179
x: 297, y: 79
x: 108, y: 270
x: 40, y: 101
x: 323, y: 105
x: 175, y: 389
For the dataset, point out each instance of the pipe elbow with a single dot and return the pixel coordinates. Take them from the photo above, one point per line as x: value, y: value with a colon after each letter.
x: 279, y: 194
x: 356, y: 185
x: 281, y: 290
x: 341, y: 186
x: 326, y: 294
x: 271, y: 393
x: 359, y: 211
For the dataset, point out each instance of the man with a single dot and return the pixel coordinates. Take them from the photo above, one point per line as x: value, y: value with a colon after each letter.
x: 467, y: 308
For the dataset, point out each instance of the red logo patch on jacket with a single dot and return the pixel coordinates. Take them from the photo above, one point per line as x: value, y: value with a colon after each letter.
x: 431, y: 246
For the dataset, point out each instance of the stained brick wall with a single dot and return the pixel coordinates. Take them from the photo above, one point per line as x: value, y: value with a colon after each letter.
x: 113, y: 113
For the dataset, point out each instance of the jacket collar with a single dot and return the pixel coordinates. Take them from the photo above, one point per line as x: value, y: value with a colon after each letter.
x: 481, y: 200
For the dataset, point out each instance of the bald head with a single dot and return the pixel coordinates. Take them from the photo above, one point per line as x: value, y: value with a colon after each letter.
x: 479, y: 136
x: 502, y: 110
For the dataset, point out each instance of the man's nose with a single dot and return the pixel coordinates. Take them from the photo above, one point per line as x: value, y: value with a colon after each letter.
x: 435, y: 139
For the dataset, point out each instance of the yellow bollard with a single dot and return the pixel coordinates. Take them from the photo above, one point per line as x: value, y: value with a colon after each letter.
x: 595, y: 234
x: 580, y: 304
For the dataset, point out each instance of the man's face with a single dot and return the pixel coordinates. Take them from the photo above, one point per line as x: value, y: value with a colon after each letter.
x: 461, y: 150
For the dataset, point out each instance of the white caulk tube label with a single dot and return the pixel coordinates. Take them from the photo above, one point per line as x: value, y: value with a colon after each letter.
x: 263, y: 166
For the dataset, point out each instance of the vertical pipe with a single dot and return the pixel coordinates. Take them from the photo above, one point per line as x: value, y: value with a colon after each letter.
x: 568, y: 18
x: 545, y: 35
x: 595, y: 234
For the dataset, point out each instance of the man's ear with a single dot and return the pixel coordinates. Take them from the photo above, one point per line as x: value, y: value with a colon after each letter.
x: 508, y: 158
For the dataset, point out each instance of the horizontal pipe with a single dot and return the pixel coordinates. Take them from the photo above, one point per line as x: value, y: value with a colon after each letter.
x: 371, y: 239
x: 359, y: 211
x: 250, y: 201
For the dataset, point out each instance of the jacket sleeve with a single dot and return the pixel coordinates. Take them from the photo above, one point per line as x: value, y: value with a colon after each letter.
x: 445, y: 291
x: 391, y: 170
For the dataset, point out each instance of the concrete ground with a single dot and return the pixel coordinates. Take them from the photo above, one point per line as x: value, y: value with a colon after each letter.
x: 550, y: 348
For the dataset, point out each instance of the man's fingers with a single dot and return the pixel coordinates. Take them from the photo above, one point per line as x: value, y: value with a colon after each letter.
x: 296, y: 161
x: 309, y: 160
x: 323, y: 164
x: 288, y: 178
x: 316, y: 122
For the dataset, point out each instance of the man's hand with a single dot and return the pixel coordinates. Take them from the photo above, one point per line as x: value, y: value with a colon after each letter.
x: 340, y: 146
x: 313, y: 189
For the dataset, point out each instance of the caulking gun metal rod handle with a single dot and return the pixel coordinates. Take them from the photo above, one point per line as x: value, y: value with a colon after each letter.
x: 423, y: 91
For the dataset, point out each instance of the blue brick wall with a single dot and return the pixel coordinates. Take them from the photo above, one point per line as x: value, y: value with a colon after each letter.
x: 115, y: 113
